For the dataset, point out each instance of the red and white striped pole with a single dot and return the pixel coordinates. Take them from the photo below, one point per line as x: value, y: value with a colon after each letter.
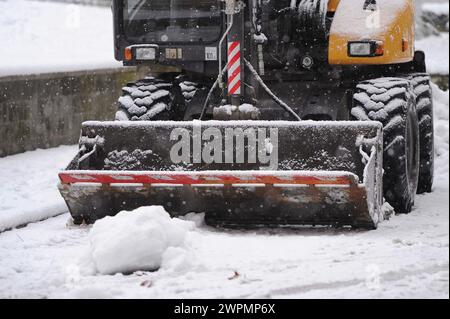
x: 234, y: 68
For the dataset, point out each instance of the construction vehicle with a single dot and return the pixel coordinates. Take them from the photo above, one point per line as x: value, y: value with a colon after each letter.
x: 263, y: 113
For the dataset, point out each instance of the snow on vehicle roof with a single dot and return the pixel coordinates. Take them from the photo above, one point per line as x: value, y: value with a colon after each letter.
x: 352, y: 20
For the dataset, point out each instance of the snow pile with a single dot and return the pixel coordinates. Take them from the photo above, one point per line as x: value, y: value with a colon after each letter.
x: 40, y: 37
x: 28, y: 191
x: 142, y: 239
x: 441, y: 108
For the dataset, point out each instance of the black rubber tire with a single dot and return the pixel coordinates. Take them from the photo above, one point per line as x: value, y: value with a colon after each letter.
x: 424, y: 101
x: 155, y: 99
x: 391, y: 101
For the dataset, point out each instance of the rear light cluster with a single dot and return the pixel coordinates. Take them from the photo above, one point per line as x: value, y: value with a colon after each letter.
x: 143, y: 53
x: 365, y: 48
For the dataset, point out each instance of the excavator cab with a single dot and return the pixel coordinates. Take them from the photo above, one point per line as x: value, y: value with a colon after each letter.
x: 175, y: 21
x: 173, y: 28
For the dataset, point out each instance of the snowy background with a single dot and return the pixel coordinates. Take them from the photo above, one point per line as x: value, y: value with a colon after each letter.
x: 41, y: 37
x: 406, y: 257
x: 55, y: 36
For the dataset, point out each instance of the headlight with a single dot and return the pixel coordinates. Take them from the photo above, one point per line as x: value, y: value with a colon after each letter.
x: 145, y: 53
x: 365, y: 48
x: 360, y: 49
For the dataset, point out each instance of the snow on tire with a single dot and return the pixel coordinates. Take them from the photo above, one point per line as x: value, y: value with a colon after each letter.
x: 188, y: 89
x: 424, y: 101
x: 153, y: 99
x: 391, y: 101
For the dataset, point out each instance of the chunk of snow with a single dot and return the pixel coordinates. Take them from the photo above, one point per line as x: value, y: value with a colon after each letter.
x: 244, y: 108
x: 228, y: 109
x: 135, y: 240
x: 247, y: 108
x: 260, y: 38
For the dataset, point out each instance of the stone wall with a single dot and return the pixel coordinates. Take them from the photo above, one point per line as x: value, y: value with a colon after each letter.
x: 42, y: 111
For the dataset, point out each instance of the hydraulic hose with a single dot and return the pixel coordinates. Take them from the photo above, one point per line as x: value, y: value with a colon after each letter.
x: 277, y: 100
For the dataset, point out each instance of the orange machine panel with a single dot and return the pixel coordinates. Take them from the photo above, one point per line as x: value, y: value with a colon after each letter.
x: 391, y: 21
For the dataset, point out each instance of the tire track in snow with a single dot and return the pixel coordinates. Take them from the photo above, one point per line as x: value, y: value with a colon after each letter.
x: 391, y: 276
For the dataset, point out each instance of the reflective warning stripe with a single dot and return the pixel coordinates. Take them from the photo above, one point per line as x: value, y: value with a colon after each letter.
x: 234, y: 68
x: 198, y: 178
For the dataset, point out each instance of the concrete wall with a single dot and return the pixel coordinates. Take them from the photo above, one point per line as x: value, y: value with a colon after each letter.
x: 42, y: 111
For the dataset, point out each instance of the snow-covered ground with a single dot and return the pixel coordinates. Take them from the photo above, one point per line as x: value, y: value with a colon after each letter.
x: 27, y: 186
x: 436, y: 45
x: 407, y: 257
x: 436, y: 48
x: 40, y: 37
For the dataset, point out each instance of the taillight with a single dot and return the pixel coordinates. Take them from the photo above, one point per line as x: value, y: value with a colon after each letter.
x: 365, y: 48
x: 128, y: 54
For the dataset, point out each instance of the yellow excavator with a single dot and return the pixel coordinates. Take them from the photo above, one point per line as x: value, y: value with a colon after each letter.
x: 262, y: 113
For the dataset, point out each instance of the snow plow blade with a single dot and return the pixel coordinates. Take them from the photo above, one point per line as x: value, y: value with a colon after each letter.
x: 243, y: 173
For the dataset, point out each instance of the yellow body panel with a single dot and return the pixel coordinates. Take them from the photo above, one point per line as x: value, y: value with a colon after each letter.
x: 392, y: 23
x: 332, y: 5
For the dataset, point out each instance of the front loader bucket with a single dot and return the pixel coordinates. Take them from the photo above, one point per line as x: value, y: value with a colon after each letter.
x: 243, y: 173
